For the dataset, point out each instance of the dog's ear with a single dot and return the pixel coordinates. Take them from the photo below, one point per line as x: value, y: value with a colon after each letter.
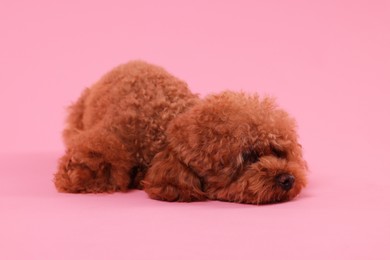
x: 208, y: 137
x: 171, y: 180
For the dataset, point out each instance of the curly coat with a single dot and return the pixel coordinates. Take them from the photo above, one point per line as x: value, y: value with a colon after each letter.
x: 140, y: 127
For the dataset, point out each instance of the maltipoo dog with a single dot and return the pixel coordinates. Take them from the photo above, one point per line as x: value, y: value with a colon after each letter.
x: 140, y: 127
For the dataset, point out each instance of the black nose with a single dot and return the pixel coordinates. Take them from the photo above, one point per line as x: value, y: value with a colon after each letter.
x: 285, y: 181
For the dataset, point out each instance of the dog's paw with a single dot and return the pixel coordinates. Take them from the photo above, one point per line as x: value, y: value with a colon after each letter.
x: 172, y: 193
x: 78, y: 176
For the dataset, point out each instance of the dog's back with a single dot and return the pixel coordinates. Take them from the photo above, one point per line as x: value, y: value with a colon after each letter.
x: 137, y: 100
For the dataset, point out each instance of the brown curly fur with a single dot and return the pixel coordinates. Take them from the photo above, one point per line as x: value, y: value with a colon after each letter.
x: 140, y: 127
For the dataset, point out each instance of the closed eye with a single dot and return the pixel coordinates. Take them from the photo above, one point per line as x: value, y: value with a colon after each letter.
x: 251, y: 156
x: 278, y: 153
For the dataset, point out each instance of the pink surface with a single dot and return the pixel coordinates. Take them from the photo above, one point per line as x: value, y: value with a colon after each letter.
x: 327, y: 62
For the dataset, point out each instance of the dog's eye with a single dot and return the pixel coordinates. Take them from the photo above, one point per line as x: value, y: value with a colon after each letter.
x: 278, y: 153
x: 250, y: 156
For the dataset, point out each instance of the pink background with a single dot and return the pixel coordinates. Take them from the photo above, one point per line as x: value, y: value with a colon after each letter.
x: 327, y: 62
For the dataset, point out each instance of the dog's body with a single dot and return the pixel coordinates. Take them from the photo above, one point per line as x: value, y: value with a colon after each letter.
x: 140, y: 127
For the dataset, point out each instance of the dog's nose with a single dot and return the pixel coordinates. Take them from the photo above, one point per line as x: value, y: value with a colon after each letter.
x: 285, y: 181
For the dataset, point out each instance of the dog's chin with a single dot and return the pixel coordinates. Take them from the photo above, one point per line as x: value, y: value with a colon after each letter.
x: 259, y: 187
x: 273, y: 197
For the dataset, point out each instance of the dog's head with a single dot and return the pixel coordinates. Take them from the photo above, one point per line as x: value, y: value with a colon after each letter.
x: 234, y: 147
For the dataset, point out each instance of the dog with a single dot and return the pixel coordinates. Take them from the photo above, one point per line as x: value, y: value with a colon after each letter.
x: 139, y: 127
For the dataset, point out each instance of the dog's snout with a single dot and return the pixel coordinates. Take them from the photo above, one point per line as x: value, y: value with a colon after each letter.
x: 285, y: 181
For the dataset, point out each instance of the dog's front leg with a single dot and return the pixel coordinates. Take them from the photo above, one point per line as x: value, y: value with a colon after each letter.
x: 171, y: 180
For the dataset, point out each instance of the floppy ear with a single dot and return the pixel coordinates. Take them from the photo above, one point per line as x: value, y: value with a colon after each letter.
x: 171, y: 180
